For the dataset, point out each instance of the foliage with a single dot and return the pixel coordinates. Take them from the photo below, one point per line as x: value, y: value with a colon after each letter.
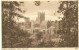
x: 37, y: 3
x: 39, y: 35
x: 69, y: 22
x: 11, y: 35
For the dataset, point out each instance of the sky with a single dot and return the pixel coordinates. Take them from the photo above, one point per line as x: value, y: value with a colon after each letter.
x: 50, y: 9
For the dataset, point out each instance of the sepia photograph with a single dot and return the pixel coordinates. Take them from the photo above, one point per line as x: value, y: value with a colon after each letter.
x: 39, y: 24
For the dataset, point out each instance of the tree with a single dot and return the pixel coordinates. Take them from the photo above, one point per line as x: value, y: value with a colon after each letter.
x: 9, y: 9
x: 69, y: 22
x: 39, y: 35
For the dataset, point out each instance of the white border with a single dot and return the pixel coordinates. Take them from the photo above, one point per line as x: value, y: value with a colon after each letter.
x: 35, y: 48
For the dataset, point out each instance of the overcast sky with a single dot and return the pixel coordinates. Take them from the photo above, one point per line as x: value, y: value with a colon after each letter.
x: 50, y: 9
